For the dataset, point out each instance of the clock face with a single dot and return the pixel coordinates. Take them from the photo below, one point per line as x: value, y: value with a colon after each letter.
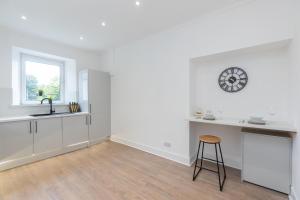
x: 233, y: 79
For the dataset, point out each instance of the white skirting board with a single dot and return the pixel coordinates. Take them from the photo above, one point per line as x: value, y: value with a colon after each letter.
x: 98, y: 141
x: 158, y: 152
x: 170, y: 156
x: 38, y: 157
x: 34, y: 158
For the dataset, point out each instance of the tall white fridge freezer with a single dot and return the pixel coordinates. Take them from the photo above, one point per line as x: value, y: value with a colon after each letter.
x: 94, y: 97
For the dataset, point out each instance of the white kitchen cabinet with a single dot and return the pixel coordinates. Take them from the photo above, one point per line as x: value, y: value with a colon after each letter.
x: 75, y: 131
x: 48, y: 135
x: 94, y: 97
x: 31, y: 139
x: 16, y: 141
x: 267, y: 161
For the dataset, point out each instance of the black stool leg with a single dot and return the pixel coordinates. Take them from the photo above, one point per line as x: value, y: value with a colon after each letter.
x: 223, y: 165
x: 194, y: 176
x: 203, y: 143
x: 217, y: 159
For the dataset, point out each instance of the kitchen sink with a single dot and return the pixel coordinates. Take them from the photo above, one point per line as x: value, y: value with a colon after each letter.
x: 48, y: 114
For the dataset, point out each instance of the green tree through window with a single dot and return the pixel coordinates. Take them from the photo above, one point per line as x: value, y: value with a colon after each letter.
x: 43, y: 79
x: 50, y: 90
x: 31, y: 87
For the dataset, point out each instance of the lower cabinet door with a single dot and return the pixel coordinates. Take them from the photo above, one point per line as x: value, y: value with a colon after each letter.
x: 48, y: 135
x: 16, y: 141
x: 266, y: 161
x: 98, y: 127
x: 75, y: 131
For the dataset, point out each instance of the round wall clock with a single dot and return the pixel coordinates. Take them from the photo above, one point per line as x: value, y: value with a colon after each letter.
x: 233, y: 79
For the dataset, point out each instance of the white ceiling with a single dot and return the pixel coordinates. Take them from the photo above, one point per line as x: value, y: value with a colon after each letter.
x: 66, y: 20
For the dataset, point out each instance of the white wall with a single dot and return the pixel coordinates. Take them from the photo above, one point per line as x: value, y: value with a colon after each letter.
x: 150, y: 83
x: 10, y: 38
x: 295, y: 103
x: 268, y: 72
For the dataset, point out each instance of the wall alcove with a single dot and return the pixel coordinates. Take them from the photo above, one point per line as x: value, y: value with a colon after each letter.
x: 266, y: 94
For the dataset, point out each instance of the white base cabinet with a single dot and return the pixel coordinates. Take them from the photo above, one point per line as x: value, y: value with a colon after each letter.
x: 28, y: 141
x: 267, y: 161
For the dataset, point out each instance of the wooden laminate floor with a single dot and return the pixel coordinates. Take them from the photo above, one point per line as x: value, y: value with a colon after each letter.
x: 114, y: 171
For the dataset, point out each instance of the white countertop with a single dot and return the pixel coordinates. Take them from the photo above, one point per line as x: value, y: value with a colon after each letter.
x: 270, y: 125
x: 22, y: 118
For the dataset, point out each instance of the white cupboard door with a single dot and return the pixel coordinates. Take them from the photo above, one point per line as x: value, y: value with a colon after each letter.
x: 48, y: 135
x: 98, y: 128
x: 266, y: 161
x: 75, y: 130
x: 99, y: 100
x: 16, y: 140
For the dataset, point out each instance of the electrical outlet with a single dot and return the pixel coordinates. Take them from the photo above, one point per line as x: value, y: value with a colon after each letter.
x: 167, y: 144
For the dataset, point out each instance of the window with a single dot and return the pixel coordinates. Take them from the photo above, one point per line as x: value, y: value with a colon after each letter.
x: 40, y: 78
x: 36, y: 75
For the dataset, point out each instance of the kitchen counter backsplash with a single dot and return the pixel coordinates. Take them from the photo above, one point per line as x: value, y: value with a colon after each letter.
x: 9, y: 110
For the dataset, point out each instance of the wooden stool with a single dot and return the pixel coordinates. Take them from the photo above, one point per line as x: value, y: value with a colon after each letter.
x: 210, y: 139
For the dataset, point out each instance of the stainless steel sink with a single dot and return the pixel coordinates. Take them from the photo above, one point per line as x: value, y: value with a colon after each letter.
x: 48, y: 114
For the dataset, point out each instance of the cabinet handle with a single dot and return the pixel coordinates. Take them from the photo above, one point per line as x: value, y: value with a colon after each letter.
x: 36, y: 127
x: 30, y: 127
x: 90, y: 119
x: 90, y: 108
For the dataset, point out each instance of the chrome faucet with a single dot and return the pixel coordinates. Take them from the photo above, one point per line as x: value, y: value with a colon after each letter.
x: 51, y: 106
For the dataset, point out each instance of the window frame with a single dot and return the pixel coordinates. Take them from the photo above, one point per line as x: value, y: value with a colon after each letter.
x: 27, y: 57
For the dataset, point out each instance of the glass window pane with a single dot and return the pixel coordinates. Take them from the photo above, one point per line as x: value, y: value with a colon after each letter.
x: 42, y: 79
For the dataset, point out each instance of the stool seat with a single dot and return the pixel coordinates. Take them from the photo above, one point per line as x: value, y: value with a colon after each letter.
x: 211, y: 139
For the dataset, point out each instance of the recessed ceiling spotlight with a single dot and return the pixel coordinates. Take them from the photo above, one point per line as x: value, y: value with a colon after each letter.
x: 137, y: 3
x: 23, y: 17
x: 103, y: 24
x: 81, y: 38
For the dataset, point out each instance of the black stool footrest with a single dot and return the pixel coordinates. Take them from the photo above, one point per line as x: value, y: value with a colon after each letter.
x: 220, y: 162
x: 207, y: 169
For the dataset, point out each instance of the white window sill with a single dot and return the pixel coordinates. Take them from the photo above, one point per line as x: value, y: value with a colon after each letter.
x: 37, y: 105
